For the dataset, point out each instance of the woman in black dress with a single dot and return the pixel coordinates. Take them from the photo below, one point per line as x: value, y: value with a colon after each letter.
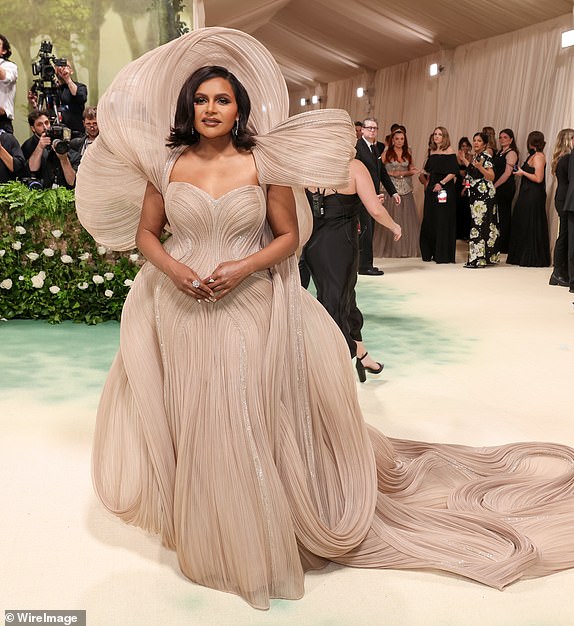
x: 529, y: 244
x: 483, y: 242
x: 438, y: 228
x: 505, y: 161
x: 332, y: 255
x: 562, y: 275
x: 462, y: 204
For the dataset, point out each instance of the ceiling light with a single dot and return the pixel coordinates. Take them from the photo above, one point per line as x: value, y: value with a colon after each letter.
x: 568, y: 38
x: 360, y: 92
x: 315, y: 99
x: 434, y: 69
x: 303, y: 101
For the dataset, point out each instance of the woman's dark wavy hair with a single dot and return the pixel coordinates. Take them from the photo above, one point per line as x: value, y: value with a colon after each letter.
x: 183, y: 133
x: 6, y: 46
x: 510, y: 133
x: 536, y: 140
x: 484, y: 136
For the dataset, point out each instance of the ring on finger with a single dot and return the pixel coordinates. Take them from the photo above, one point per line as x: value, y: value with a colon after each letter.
x: 195, y: 284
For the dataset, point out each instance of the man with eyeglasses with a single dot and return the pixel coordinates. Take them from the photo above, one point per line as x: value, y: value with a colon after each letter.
x: 369, y: 153
x: 80, y: 144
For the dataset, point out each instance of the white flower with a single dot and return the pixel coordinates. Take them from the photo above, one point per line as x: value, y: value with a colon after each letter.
x: 17, y: 245
x: 32, y: 255
x: 20, y: 277
x: 84, y: 257
x: 6, y: 284
x: 108, y: 275
x: 48, y: 252
x: 66, y: 258
x: 128, y: 282
x: 42, y: 275
x: 83, y: 286
x: 98, y: 279
x: 20, y: 230
x: 134, y: 257
x: 57, y: 233
x: 54, y: 289
x: 37, y: 281
x: 2, y: 253
x: 108, y: 293
x: 102, y: 250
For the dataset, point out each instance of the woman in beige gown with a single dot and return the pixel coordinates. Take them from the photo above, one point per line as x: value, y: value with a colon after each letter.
x: 217, y: 428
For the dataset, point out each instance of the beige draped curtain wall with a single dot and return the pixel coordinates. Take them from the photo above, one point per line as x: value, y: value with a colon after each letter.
x: 522, y: 80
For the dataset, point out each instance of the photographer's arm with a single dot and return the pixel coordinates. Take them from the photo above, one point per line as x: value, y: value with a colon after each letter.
x: 35, y: 160
x: 6, y: 158
x: 69, y: 171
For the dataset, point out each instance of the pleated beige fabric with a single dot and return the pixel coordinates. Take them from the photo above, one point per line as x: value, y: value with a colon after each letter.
x: 217, y: 427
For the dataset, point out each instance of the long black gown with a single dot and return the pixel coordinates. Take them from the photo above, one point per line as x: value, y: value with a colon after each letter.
x: 438, y: 228
x: 529, y: 243
x: 504, y: 197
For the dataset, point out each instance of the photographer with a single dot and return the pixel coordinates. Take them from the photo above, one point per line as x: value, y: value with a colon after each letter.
x: 48, y: 159
x: 80, y: 144
x: 55, y: 89
x: 8, y: 77
x: 12, y: 161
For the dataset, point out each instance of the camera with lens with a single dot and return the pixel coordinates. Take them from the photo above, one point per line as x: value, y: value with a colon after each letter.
x: 60, y: 136
x: 32, y: 183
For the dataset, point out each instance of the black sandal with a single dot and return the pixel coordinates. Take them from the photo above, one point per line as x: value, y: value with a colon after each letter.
x: 362, y: 369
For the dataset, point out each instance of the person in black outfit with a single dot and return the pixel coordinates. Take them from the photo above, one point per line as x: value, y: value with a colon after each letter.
x: 43, y: 162
x: 368, y: 152
x: 72, y: 98
x: 529, y: 244
x: 438, y: 228
x: 562, y: 273
x: 332, y: 255
x: 505, y: 161
x: 569, y: 211
x: 462, y: 200
x: 12, y: 161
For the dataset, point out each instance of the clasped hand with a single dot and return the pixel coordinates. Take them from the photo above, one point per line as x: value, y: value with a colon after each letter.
x: 224, y: 278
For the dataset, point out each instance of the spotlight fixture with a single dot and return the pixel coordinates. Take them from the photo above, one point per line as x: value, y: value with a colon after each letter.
x: 315, y: 99
x: 435, y: 69
x: 303, y: 102
x: 568, y: 38
x: 361, y: 91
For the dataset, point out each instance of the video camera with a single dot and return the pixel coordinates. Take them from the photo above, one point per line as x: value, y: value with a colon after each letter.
x: 45, y: 66
x: 46, y: 88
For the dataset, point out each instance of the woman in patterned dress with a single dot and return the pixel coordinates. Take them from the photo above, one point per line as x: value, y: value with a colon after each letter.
x: 483, y: 243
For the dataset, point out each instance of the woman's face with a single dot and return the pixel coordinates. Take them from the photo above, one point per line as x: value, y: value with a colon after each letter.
x: 465, y: 147
x: 215, y: 108
x: 504, y: 140
x: 398, y: 140
x: 437, y: 136
x: 477, y: 144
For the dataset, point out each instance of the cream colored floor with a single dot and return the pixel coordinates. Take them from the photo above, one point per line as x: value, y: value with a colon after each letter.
x: 472, y: 356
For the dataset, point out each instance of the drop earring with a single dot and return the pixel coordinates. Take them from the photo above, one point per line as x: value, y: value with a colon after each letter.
x: 234, y: 129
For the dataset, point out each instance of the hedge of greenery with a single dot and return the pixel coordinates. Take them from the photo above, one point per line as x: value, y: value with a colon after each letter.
x: 50, y: 267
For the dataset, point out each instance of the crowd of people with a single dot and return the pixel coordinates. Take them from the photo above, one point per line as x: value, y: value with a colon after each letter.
x: 470, y: 194
x: 61, y: 126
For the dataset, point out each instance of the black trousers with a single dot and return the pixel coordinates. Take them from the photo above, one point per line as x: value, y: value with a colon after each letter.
x: 564, y: 248
x: 366, y: 239
x: 331, y: 257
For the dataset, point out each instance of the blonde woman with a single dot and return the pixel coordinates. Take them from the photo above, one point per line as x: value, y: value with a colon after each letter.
x: 491, y: 146
x: 563, y: 273
x: 438, y: 228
